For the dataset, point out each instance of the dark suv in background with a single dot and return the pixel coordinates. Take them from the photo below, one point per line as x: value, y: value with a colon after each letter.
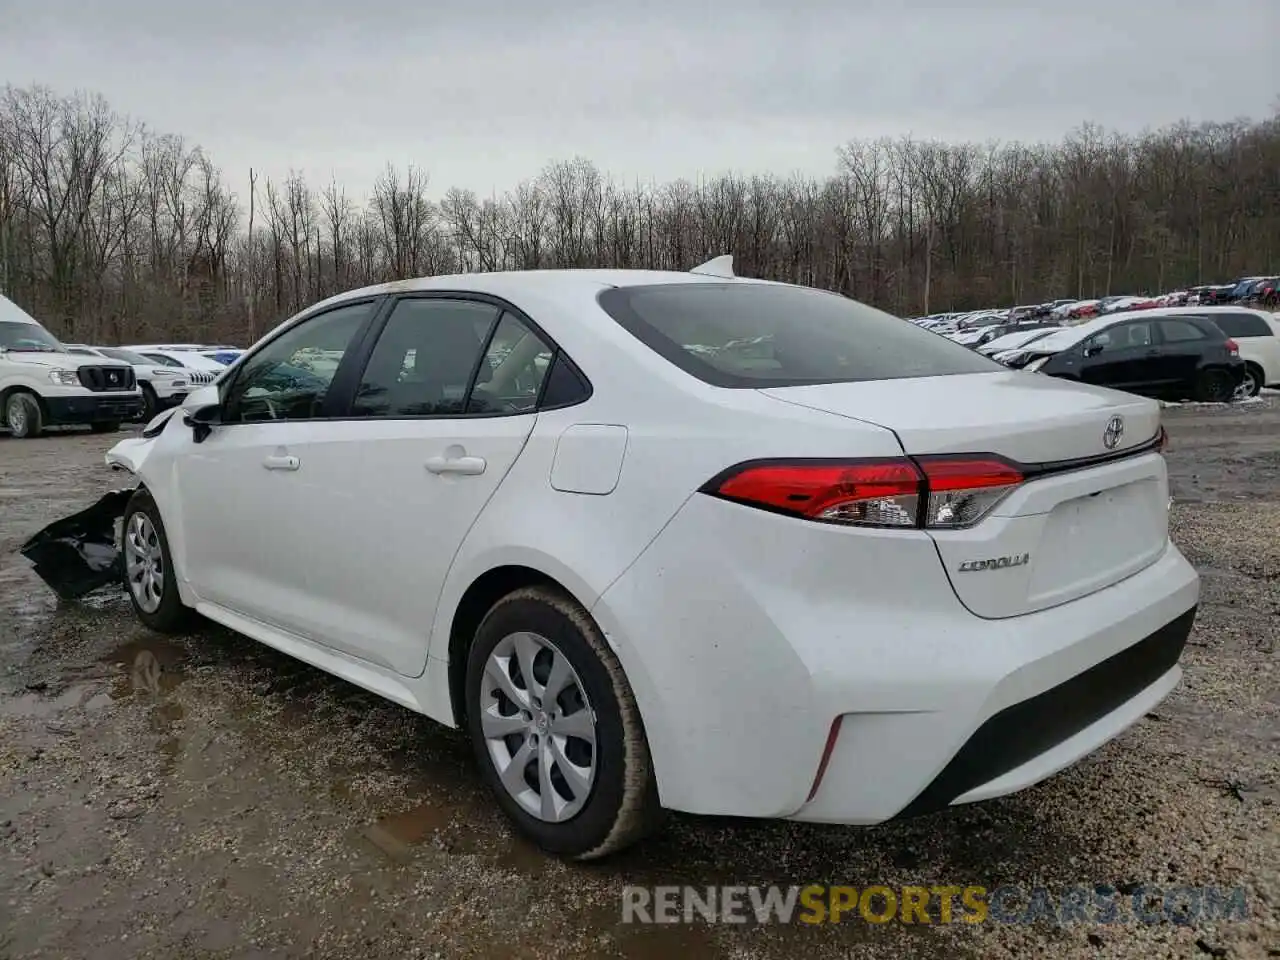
x: 1168, y: 357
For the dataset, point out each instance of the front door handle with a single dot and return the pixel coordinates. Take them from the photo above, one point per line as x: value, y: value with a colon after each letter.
x: 468, y: 466
x: 279, y: 462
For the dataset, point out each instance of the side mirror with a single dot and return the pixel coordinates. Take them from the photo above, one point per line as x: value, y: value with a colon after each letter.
x: 202, y: 420
x: 1093, y: 349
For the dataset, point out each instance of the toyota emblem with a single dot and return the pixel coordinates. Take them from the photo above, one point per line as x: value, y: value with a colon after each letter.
x: 1112, y: 435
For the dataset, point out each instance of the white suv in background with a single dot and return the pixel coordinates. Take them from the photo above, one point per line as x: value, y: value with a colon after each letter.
x: 200, y: 371
x: 162, y: 386
x: 43, y: 385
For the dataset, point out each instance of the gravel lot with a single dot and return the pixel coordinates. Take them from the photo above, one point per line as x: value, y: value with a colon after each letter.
x: 207, y: 797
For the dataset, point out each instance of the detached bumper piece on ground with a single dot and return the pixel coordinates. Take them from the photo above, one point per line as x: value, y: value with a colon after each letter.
x: 80, y: 553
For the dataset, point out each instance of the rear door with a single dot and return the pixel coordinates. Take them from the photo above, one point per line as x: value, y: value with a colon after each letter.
x: 1183, y: 347
x: 444, y: 406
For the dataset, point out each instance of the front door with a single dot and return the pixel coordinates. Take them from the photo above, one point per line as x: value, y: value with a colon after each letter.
x: 246, y: 507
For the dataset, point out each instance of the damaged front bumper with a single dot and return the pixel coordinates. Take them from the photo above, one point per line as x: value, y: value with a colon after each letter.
x: 80, y: 553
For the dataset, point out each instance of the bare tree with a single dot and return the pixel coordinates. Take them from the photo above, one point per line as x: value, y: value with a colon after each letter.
x: 112, y: 232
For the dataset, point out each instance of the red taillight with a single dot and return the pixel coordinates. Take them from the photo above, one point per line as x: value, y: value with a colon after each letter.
x: 934, y: 492
x: 876, y: 492
x: 1233, y: 348
x: 962, y: 490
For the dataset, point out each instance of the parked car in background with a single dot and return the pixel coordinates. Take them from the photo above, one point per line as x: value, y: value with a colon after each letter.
x: 162, y: 386
x: 585, y: 516
x: 223, y: 355
x: 1015, y: 339
x: 1242, y: 289
x: 42, y: 385
x: 1265, y: 292
x: 199, y: 370
x: 1163, y: 356
x: 1255, y: 332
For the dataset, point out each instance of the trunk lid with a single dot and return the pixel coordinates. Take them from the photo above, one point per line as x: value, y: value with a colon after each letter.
x: 1072, y: 527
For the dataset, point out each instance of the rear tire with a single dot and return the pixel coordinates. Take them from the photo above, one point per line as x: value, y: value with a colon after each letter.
x: 23, y: 415
x: 590, y: 814
x: 1215, y: 386
x: 109, y: 426
x: 156, y: 604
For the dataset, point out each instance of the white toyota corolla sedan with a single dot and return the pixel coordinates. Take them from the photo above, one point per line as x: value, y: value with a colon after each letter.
x: 682, y: 541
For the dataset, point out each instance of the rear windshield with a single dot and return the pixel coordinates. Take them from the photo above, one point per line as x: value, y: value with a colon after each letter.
x: 1240, y: 324
x: 762, y: 335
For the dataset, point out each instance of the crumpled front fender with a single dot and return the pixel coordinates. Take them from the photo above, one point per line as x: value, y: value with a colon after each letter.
x: 130, y: 453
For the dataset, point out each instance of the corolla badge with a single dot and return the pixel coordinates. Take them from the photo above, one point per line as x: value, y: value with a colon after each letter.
x: 1113, y: 433
x: 995, y: 563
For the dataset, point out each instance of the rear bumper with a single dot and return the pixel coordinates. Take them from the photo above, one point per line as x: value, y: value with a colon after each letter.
x: 94, y: 408
x: 747, y: 636
x: 1029, y: 740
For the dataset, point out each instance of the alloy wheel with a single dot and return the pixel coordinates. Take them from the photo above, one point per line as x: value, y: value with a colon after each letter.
x: 144, y: 562
x: 538, y: 726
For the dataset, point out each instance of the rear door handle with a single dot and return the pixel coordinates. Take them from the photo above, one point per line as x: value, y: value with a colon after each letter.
x: 278, y: 462
x: 468, y: 466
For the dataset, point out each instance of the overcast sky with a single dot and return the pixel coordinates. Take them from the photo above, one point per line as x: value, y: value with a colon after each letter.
x: 483, y: 94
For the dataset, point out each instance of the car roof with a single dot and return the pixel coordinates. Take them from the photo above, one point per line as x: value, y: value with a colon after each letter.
x: 1207, y: 311
x: 514, y: 283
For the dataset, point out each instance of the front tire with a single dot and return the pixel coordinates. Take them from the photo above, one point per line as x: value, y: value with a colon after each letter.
x: 150, y: 403
x: 23, y: 415
x: 555, y: 727
x: 149, y: 577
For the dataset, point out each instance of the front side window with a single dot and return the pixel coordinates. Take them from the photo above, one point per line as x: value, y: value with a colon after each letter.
x: 289, y: 378
x: 427, y: 357
x: 766, y: 335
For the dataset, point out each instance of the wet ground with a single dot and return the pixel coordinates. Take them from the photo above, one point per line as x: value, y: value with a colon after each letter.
x: 207, y: 797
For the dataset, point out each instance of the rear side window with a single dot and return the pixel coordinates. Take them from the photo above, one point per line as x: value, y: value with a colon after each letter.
x: 1242, y: 325
x: 762, y: 335
x: 1179, y: 331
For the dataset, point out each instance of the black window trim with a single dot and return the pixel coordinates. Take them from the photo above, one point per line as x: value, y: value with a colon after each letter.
x: 345, y: 396
x: 340, y: 396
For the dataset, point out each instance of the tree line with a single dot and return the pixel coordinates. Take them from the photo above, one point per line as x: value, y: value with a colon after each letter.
x: 112, y: 232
